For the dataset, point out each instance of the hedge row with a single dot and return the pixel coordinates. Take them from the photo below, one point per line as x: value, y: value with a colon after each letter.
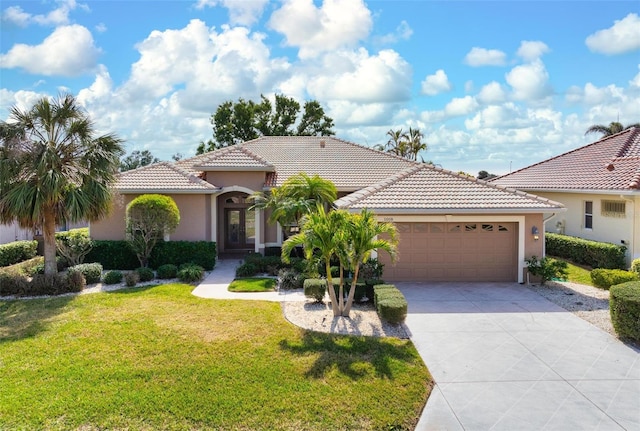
x: 624, y: 306
x: 40, y: 284
x: 17, y: 251
x: 118, y: 254
x: 605, y: 278
x: 390, y: 303
x: 581, y: 251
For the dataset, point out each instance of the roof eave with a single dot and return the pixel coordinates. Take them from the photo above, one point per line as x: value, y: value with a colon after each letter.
x: 581, y: 191
x: 126, y: 191
x: 234, y: 168
x: 425, y: 211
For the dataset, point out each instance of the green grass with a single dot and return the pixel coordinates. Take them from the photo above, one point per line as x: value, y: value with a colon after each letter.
x: 253, y: 285
x: 578, y: 274
x: 160, y: 358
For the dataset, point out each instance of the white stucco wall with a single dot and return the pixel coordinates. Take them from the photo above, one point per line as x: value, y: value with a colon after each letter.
x: 12, y: 232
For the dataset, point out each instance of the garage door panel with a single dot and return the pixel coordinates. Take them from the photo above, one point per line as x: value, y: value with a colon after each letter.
x: 454, y: 252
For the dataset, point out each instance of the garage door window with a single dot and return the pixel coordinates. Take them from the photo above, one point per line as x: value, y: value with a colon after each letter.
x: 487, y: 227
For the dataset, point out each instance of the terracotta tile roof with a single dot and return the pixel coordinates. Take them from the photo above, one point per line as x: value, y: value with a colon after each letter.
x: 612, y: 163
x: 162, y: 177
x: 237, y: 157
x: 427, y: 189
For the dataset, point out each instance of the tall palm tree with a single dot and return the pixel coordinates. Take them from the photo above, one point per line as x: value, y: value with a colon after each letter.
x: 397, y: 143
x: 53, y: 169
x: 363, y: 236
x: 613, y: 128
x: 415, y: 143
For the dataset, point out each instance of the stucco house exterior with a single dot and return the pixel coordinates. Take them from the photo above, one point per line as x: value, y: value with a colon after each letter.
x: 451, y: 227
x: 13, y: 232
x: 599, y: 184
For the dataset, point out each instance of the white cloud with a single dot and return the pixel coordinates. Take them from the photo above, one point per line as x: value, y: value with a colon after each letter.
x: 21, y: 99
x: 68, y: 51
x: 101, y: 28
x: 532, y: 50
x: 356, y: 114
x: 242, y: 12
x: 460, y: 106
x: 100, y: 89
x: 485, y: 57
x: 623, y: 36
x: 334, y: 25
x: 16, y: 15
x: 530, y: 82
x: 402, y: 32
x: 57, y: 17
x: 492, y: 93
x: 436, y: 83
x: 635, y: 82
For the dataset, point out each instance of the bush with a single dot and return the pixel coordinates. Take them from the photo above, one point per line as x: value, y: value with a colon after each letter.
x: 635, y: 266
x: 92, y: 271
x: 371, y: 269
x: 605, y: 278
x: 167, y: 271
x: 13, y: 284
x: 57, y: 284
x: 17, y: 251
x: 360, y: 293
x: 131, y: 278
x: 113, y: 255
x: 584, y: 252
x: 273, y: 251
x: 146, y: 274
x: 624, y: 306
x: 315, y: 288
x: 190, y: 273
x: 113, y: 277
x: 547, y: 268
x: 390, y: 303
x: 290, y: 279
x: 73, y: 245
x: 370, y: 282
x: 75, y: 281
x: 247, y: 270
x: 28, y: 267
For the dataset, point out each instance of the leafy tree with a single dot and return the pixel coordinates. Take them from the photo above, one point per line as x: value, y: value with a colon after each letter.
x: 74, y: 245
x: 54, y: 169
x: 484, y: 175
x: 149, y: 219
x: 613, y: 128
x: 137, y: 159
x: 245, y: 120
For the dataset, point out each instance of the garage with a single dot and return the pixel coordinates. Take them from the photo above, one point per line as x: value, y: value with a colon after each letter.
x: 465, y: 251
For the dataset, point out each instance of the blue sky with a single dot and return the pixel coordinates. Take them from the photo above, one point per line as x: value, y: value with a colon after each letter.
x: 493, y: 85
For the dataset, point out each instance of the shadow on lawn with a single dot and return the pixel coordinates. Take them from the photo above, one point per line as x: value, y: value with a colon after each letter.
x: 348, y: 353
x: 26, y: 318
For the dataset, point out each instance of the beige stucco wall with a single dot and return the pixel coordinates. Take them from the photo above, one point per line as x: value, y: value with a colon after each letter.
x: 194, y: 225
x: 605, y: 228
x: 250, y: 180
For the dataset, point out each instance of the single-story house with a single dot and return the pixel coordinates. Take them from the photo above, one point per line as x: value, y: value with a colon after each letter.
x: 451, y: 227
x: 13, y: 232
x: 599, y: 184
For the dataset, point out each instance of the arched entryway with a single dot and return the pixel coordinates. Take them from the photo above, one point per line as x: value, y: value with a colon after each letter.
x: 238, y: 231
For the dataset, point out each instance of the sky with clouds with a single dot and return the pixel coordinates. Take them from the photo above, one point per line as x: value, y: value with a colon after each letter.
x: 493, y: 85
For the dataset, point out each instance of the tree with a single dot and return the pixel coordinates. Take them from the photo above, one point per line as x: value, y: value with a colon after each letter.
x: 613, y: 128
x: 484, y: 175
x: 149, y: 219
x: 53, y: 169
x: 405, y: 144
x: 415, y: 143
x: 397, y: 143
x: 245, y: 120
x: 137, y: 159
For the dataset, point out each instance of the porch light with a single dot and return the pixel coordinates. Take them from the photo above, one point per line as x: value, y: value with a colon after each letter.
x: 535, y: 233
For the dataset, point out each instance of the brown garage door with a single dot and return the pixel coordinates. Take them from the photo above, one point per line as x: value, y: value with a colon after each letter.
x: 454, y: 252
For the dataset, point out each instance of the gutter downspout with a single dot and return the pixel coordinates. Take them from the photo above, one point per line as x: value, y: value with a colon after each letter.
x: 544, y: 222
x: 633, y: 224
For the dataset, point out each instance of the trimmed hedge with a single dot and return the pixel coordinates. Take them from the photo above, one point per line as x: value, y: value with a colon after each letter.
x: 605, y: 278
x: 17, y: 251
x: 315, y: 288
x: 390, y: 302
x: 624, y: 307
x: 585, y: 252
x: 167, y: 271
x: 118, y: 254
x: 40, y: 284
x: 360, y: 293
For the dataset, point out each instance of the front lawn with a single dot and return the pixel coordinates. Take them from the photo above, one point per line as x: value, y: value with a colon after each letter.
x: 578, y: 274
x: 256, y: 284
x: 160, y: 358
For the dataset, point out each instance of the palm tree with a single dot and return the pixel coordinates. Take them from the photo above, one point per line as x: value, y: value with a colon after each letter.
x: 415, y: 143
x: 363, y: 236
x: 53, y: 169
x: 397, y: 143
x: 613, y: 128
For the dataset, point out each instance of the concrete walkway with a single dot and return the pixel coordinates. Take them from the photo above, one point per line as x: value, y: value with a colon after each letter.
x: 505, y: 358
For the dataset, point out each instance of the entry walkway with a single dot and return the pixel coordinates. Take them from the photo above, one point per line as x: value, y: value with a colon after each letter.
x: 505, y: 358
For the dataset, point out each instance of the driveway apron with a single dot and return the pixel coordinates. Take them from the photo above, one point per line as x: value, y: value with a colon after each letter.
x: 505, y: 358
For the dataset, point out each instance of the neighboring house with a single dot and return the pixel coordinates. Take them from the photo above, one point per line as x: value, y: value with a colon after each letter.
x: 451, y: 227
x: 599, y: 184
x: 12, y: 232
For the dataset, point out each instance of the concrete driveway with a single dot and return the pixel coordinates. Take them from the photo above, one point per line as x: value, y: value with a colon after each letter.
x: 505, y: 358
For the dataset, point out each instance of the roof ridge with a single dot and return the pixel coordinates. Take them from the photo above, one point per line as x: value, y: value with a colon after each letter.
x: 191, y: 177
x: 625, y: 147
x: 145, y: 167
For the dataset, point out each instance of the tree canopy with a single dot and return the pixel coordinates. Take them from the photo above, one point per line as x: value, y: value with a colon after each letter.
x: 137, y: 159
x: 244, y: 120
x: 613, y: 128
x: 54, y: 169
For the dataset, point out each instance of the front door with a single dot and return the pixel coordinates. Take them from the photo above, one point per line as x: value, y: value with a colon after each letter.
x: 240, y: 229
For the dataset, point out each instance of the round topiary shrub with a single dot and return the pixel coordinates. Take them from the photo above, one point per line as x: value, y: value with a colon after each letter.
x: 167, y: 271
x: 146, y: 274
x: 92, y: 271
x: 131, y: 278
x: 113, y: 277
x: 190, y: 273
x: 624, y: 307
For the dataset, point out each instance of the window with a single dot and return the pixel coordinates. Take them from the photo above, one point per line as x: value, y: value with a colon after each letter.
x: 588, y: 215
x: 613, y: 209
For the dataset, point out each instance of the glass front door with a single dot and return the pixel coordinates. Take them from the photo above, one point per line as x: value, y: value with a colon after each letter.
x: 240, y: 226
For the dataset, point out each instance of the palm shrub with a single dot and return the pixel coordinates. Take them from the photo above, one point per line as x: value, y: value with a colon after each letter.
x: 290, y: 279
x: 190, y: 273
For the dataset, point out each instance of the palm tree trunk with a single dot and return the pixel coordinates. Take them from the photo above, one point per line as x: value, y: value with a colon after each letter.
x: 49, y: 237
x: 352, y: 292
x: 332, y: 292
x: 341, y: 290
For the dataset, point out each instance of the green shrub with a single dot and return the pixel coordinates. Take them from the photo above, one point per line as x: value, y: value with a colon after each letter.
x: 167, y: 271
x: 17, y: 251
x: 131, y: 278
x: 371, y: 269
x: 360, y: 293
x: 624, y: 307
x: 547, y: 268
x: 113, y: 277
x: 264, y: 264
x: 370, y: 282
x: 290, y: 279
x: 380, y: 289
x: 315, y: 288
x: 113, y: 255
x: 27, y: 267
x: 13, y: 284
x: 390, y: 303
x: 73, y: 245
x: 585, y: 252
x: 146, y: 274
x: 273, y: 251
x: 92, y: 271
x: 247, y: 270
x: 605, y: 278
x: 56, y: 284
x: 190, y: 273
x: 75, y: 281
x: 635, y: 266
